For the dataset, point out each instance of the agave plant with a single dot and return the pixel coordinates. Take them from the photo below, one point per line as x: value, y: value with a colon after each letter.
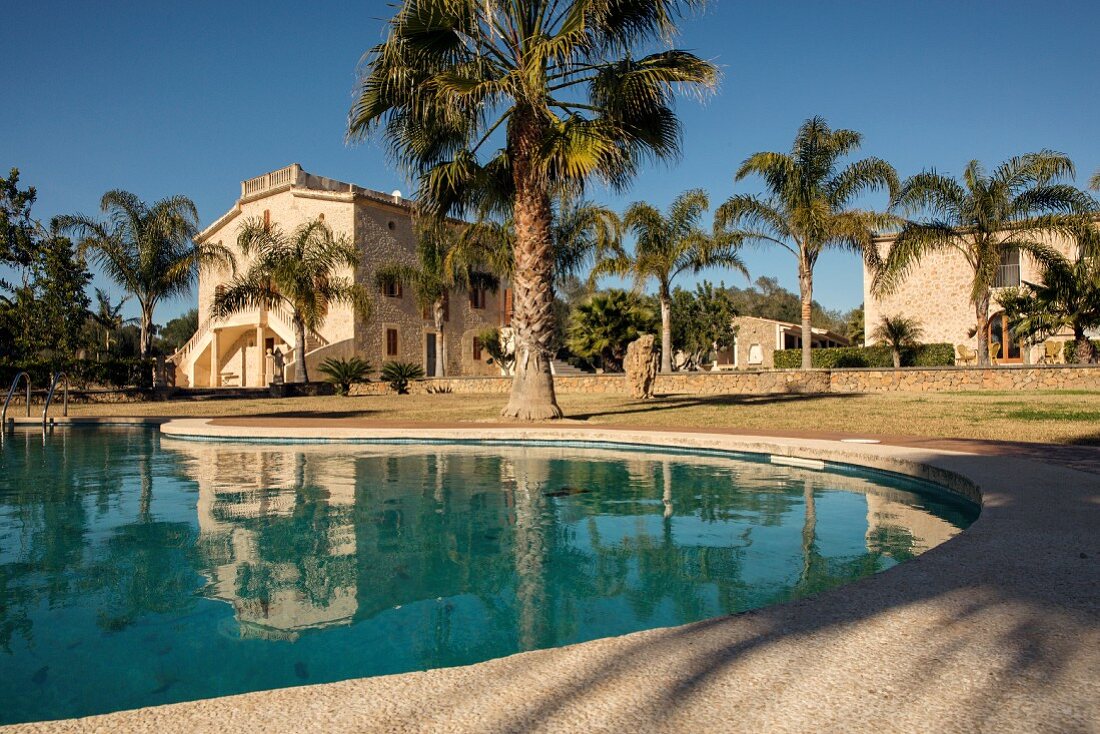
x: 898, y: 332
x: 399, y: 374
x: 343, y: 373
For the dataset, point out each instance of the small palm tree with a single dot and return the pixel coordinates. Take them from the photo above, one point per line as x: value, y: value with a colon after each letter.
x: 109, y: 316
x: 437, y: 273
x: 147, y: 249
x: 398, y: 375
x: 809, y: 208
x: 343, y: 373
x: 668, y: 246
x: 300, y: 270
x: 560, y: 95
x: 1067, y: 296
x: 1094, y: 182
x: 601, y: 328
x: 985, y: 218
x: 898, y: 333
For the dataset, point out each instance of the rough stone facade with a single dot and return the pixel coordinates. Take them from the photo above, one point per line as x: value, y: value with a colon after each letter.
x: 937, y: 295
x: 232, y: 351
x: 764, y: 382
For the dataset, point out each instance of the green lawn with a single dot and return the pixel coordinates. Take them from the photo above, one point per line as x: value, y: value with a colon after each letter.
x: 1070, y: 417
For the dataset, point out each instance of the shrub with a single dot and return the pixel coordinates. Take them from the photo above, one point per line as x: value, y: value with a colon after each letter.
x: 343, y: 373
x: 924, y: 355
x: 1069, y: 350
x: 399, y: 374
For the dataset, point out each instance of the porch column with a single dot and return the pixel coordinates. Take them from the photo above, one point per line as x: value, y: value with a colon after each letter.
x: 215, y: 358
x: 261, y: 361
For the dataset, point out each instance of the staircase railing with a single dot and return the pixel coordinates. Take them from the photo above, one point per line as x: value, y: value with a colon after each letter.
x: 11, y: 391
x: 182, y: 352
x: 58, y: 376
x: 283, y: 315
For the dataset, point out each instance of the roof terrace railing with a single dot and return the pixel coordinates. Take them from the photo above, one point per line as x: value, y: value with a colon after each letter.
x: 282, y: 177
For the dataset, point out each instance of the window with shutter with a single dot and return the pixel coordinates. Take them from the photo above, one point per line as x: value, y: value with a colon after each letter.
x: 507, y: 306
x: 477, y: 349
x: 391, y: 342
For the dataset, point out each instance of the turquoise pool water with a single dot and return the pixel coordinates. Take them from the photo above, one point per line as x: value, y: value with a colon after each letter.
x: 136, y: 570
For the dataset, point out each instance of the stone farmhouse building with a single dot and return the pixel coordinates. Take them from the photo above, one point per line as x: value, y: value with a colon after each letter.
x: 937, y: 295
x: 758, y: 339
x: 240, y: 350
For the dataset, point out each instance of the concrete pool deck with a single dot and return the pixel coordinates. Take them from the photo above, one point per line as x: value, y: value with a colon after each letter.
x: 997, y: 629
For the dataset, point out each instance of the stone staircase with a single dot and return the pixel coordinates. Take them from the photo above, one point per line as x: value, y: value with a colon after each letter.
x: 561, y: 369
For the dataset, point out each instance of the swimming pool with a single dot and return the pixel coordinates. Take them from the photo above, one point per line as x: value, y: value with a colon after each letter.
x: 137, y: 571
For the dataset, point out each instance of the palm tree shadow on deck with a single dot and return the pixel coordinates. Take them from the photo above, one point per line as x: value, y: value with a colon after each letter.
x: 675, y: 402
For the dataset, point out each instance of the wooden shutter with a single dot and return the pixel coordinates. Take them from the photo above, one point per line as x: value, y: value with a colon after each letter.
x: 391, y: 342
x: 477, y: 349
x: 507, y: 306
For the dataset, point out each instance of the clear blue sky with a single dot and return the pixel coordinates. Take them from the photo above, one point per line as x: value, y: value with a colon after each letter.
x: 192, y: 98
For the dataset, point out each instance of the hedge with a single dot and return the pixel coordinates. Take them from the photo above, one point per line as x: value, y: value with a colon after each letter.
x: 924, y: 355
x: 82, y: 373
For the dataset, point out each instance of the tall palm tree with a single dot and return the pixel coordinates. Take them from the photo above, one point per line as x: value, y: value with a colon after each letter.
x: 300, y: 270
x: 1067, y: 296
x: 666, y: 247
x: 897, y: 332
x: 984, y: 218
x: 436, y: 273
x: 558, y: 86
x: 1094, y: 182
x: 808, y: 209
x: 109, y: 316
x: 147, y: 249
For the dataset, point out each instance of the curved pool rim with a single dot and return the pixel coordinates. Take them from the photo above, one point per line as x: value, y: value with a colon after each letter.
x: 1037, y: 520
x: 800, y: 453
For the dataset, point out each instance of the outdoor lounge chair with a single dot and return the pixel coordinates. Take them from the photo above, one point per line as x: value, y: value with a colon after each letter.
x: 1052, y: 352
x: 965, y: 355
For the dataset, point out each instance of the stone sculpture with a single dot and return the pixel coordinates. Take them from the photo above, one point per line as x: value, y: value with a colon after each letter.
x: 641, y: 366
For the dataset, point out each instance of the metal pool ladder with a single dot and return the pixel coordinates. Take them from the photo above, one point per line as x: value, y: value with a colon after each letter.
x: 58, y: 376
x: 11, y: 391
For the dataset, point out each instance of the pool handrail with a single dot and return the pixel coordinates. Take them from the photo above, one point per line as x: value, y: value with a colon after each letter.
x: 11, y: 392
x: 49, y: 397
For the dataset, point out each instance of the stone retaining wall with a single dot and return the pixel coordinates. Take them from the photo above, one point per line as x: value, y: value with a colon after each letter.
x: 762, y: 382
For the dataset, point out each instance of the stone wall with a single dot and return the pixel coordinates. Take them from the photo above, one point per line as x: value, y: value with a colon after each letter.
x: 763, y: 382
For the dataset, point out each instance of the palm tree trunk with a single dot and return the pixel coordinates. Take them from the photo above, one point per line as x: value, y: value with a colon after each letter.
x: 896, y: 354
x: 532, y: 395
x: 146, y: 331
x: 440, y: 356
x: 300, y: 372
x: 981, y: 312
x: 1084, y: 351
x: 666, y: 331
x: 806, y: 286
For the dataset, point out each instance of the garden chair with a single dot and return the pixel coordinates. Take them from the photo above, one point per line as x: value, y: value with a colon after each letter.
x: 1052, y: 352
x: 965, y: 355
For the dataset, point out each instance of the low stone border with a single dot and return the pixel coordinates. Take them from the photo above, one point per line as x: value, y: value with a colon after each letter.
x: 995, y: 630
x: 763, y: 382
